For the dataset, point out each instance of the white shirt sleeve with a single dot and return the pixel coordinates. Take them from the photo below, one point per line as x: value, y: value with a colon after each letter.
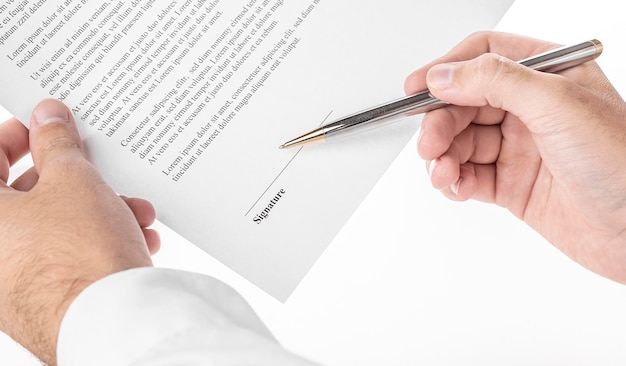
x: 158, y: 317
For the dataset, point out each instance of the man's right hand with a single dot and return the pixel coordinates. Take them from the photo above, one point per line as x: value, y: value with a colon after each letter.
x: 551, y: 148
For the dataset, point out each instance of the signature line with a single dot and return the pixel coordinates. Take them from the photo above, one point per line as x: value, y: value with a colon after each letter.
x: 282, y: 171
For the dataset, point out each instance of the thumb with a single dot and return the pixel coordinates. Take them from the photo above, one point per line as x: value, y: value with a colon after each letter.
x: 53, y: 135
x: 493, y: 80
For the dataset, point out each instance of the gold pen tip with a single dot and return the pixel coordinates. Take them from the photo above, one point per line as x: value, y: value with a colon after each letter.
x: 309, y: 137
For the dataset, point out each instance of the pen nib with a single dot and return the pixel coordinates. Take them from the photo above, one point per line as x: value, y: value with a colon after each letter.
x: 312, y: 136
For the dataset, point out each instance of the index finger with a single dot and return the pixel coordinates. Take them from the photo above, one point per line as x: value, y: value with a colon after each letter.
x: 13, y: 145
x: 511, y: 46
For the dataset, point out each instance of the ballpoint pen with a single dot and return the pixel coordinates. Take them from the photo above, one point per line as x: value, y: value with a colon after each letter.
x: 551, y: 61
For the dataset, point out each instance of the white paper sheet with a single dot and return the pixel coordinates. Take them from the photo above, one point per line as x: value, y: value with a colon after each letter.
x: 186, y: 102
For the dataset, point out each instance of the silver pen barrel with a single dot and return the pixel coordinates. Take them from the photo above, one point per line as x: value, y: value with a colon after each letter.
x: 552, y: 61
x: 416, y: 104
x: 564, y: 57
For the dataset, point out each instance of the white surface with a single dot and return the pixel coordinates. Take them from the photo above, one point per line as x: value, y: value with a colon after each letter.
x: 415, y: 279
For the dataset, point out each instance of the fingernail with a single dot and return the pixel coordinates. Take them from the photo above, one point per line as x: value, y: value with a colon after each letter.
x: 455, y: 187
x: 50, y: 111
x: 431, y: 166
x: 440, y: 76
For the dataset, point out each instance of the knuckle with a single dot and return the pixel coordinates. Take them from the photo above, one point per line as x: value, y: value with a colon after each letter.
x: 492, y: 66
x: 478, y: 35
x: 59, y: 144
x: 492, y: 72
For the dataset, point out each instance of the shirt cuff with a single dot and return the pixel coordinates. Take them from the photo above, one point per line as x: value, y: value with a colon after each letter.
x: 150, y: 316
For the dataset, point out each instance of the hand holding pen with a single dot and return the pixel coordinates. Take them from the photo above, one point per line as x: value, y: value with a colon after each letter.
x: 550, y: 148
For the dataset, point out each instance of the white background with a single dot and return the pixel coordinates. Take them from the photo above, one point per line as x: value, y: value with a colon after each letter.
x: 415, y: 279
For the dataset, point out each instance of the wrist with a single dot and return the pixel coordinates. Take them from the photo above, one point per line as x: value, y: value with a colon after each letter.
x: 39, y: 294
x: 35, y: 300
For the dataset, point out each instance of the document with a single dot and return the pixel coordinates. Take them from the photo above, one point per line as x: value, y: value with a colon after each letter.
x: 185, y: 103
